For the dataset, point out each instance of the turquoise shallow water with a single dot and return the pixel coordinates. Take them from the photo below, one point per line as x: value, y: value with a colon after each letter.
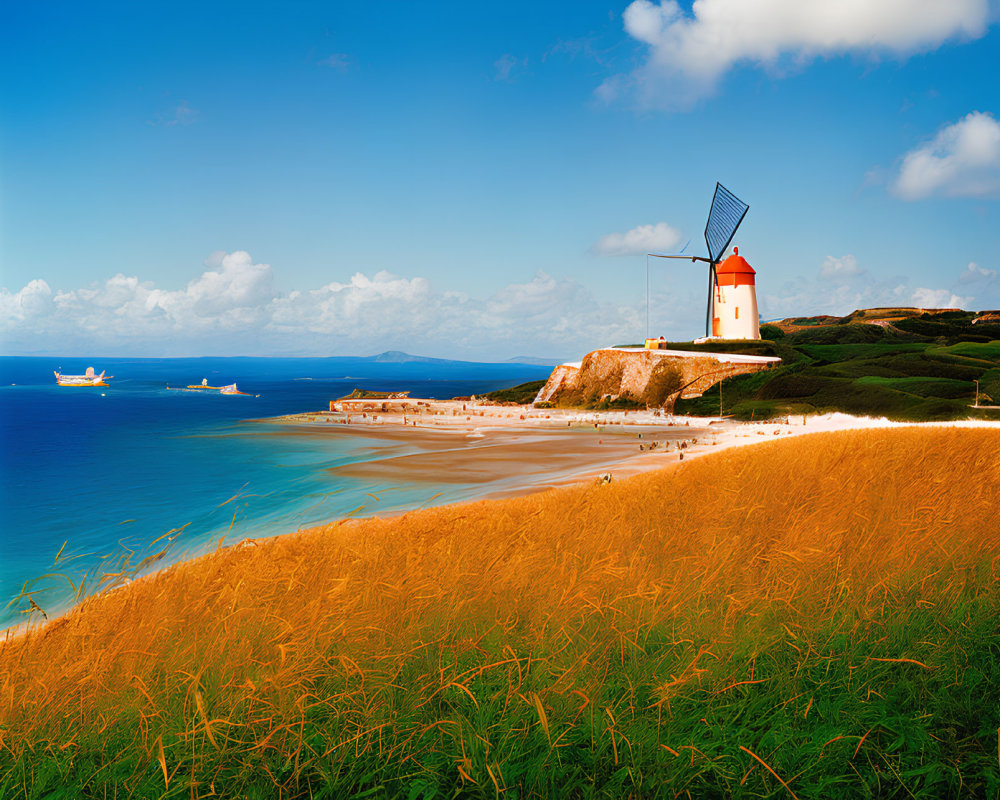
x: 103, y: 473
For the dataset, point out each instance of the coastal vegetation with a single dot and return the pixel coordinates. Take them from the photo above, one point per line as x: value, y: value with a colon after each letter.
x: 522, y: 394
x: 814, y: 617
x: 916, y: 368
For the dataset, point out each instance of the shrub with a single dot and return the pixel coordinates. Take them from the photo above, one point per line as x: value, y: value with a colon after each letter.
x: 989, y: 385
x: 852, y: 333
x: 521, y: 394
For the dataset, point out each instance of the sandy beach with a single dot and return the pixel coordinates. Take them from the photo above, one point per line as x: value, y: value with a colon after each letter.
x: 512, y: 450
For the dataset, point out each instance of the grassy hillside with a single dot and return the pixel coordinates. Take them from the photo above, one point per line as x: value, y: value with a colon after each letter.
x: 808, y: 618
x: 915, y: 368
x: 522, y: 394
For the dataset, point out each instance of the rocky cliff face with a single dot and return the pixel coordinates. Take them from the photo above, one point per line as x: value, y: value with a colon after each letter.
x: 564, y: 375
x: 654, y: 377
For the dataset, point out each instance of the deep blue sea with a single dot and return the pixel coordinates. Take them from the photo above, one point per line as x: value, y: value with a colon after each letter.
x: 101, y: 473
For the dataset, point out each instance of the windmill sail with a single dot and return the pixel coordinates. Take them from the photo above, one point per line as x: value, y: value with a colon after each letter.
x: 724, y: 218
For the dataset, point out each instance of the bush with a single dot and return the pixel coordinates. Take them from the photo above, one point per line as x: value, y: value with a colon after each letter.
x: 522, y: 394
x: 625, y: 402
x: 989, y: 386
x: 796, y: 385
x: 853, y: 333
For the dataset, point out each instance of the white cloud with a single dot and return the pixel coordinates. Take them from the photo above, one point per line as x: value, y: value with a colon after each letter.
x: 690, y: 52
x: 232, y: 308
x: 639, y: 241
x: 963, y: 160
x: 939, y: 298
x: 974, y: 273
x: 34, y: 300
x: 509, y: 67
x: 805, y: 298
x: 843, y: 286
x: 837, y: 268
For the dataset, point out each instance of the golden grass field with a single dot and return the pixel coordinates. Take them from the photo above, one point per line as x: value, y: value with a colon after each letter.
x: 815, y: 617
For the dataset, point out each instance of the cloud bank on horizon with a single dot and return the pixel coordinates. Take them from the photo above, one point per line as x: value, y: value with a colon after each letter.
x: 841, y: 286
x: 689, y: 53
x: 232, y: 308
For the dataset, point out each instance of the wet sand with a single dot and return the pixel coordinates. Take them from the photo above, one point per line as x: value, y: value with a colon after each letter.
x: 511, y: 450
x: 508, y: 456
x: 505, y: 450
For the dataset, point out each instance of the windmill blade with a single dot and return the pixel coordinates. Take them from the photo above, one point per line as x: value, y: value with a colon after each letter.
x: 724, y: 218
x: 679, y: 255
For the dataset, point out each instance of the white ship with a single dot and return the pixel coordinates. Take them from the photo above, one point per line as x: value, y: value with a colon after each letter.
x: 89, y: 378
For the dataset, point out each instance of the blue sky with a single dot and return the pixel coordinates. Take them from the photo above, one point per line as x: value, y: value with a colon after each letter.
x: 461, y: 180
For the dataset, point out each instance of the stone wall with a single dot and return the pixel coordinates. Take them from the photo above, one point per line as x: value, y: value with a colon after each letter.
x: 619, y: 371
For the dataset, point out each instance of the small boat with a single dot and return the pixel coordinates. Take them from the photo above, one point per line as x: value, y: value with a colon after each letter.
x: 204, y: 385
x: 89, y: 378
x: 231, y: 389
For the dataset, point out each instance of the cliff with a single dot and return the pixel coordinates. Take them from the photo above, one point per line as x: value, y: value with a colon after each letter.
x: 654, y: 377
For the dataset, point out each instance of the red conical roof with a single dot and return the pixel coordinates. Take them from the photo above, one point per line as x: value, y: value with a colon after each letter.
x: 735, y: 264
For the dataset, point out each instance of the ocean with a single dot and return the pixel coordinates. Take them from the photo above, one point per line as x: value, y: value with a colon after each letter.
x: 96, y: 481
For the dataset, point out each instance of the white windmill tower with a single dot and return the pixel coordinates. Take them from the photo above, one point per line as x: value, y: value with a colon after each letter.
x: 735, y: 306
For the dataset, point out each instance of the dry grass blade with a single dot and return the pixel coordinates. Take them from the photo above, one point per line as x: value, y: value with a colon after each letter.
x: 775, y: 774
x: 162, y: 759
x: 542, y: 716
x: 900, y: 661
x: 200, y: 703
x: 35, y: 607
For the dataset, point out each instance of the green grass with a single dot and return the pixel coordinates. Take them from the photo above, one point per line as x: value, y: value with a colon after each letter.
x: 869, y: 370
x: 521, y: 394
x: 828, y: 705
x: 924, y: 386
x: 851, y: 350
x: 981, y: 351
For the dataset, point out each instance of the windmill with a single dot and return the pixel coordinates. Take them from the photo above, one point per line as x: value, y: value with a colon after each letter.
x: 724, y: 217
